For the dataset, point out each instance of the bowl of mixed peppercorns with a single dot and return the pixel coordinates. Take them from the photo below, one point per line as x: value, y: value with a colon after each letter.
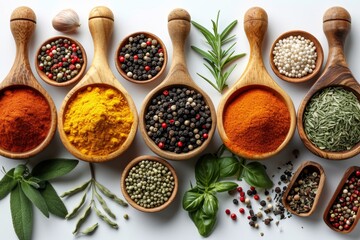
x: 149, y: 183
x: 61, y: 61
x: 141, y: 57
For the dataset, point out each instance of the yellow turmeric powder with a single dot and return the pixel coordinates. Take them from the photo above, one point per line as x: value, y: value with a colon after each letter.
x: 98, y: 120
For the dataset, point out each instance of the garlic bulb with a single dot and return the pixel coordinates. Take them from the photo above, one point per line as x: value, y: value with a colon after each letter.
x: 66, y: 21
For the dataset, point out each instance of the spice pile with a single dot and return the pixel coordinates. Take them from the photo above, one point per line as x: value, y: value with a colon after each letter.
x: 295, y: 56
x: 149, y: 183
x: 61, y: 60
x: 178, y: 120
x: 141, y: 58
x: 25, y: 119
x: 332, y: 119
x: 346, y: 205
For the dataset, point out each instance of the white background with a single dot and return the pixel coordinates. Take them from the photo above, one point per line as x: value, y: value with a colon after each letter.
x: 132, y: 16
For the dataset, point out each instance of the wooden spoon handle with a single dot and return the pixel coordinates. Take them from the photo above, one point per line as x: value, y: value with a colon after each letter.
x: 179, y: 29
x: 336, y: 26
x: 101, y: 23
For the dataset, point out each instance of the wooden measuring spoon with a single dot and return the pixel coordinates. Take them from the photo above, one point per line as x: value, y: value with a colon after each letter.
x: 336, y: 25
x: 22, y: 24
x: 101, y: 22
x: 255, y: 76
x: 179, y: 29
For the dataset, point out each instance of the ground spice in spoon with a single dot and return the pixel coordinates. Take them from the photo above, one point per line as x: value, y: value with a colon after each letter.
x: 256, y: 122
x: 25, y: 119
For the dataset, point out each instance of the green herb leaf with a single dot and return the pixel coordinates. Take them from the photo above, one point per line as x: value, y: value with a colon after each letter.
x: 82, y: 219
x: 53, y: 201
x: 20, y: 170
x: 104, y: 205
x: 255, y: 175
x: 90, y: 230
x: 76, y: 190
x: 7, y: 183
x: 223, y: 186
x: 21, y: 213
x: 192, y: 200
x: 204, y: 223
x: 105, y: 218
x: 229, y: 166
x: 75, y: 211
x: 53, y: 168
x: 110, y: 195
x: 206, y: 170
x: 211, y: 205
x: 35, y: 197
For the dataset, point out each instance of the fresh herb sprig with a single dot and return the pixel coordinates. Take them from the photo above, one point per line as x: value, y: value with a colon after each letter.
x: 201, y: 202
x: 216, y: 58
x: 33, y: 188
x: 96, y: 199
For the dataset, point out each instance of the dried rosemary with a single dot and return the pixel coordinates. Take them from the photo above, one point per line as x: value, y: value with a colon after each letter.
x: 332, y: 119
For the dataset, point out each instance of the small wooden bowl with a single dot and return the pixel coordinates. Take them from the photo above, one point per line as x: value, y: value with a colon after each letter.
x: 53, y: 82
x: 319, y: 59
x: 127, y: 196
x: 312, y: 166
x: 126, y: 41
x: 339, y: 188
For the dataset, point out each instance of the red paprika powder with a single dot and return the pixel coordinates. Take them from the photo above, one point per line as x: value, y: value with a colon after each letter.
x: 25, y: 119
x: 256, y: 122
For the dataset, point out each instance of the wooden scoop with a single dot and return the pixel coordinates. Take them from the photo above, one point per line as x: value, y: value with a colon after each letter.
x: 179, y: 29
x: 101, y: 22
x: 337, y: 22
x: 255, y: 76
x: 22, y: 24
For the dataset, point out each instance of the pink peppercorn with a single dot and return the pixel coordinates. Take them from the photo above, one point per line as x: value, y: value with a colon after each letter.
x: 227, y: 211
x: 241, y: 210
x: 233, y: 216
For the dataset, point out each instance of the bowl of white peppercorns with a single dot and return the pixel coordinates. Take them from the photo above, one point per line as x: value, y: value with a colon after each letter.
x: 149, y: 183
x: 296, y: 56
x: 141, y: 57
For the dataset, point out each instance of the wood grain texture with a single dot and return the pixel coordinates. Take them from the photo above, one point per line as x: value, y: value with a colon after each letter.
x: 255, y: 76
x: 336, y: 26
x: 101, y: 22
x: 22, y: 24
x: 179, y: 28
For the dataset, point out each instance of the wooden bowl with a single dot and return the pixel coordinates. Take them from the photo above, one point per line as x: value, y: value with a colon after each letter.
x: 255, y: 76
x: 22, y: 24
x: 319, y: 60
x: 339, y: 189
x: 101, y: 22
x: 312, y: 166
x: 66, y: 83
x: 125, y: 41
x: 336, y: 25
x: 126, y: 173
x: 179, y: 28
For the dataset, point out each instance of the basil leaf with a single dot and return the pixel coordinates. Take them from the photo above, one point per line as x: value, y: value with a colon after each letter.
x: 242, y: 163
x: 21, y: 213
x: 206, y: 170
x: 224, y: 186
x: 7, y: 183
x: 53, y: 201
x: 53, y: 168
x: 192, y: 200
x: 35, y: 197
x: 255, y: 175
x: 211, y: 205
x: 229, y: 166
x: 204, y: 223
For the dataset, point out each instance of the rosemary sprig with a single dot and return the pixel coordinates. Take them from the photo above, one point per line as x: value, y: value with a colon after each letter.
x: 216, y: 58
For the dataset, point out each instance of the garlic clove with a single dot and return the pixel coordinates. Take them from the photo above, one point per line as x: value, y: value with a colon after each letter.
x: 66, y: 21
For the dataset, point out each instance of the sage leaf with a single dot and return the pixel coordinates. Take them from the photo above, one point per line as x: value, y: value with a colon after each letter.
x: 210, y: 205
x: 35, y: 197
x: 106, y: 219
x: 192, y: 200
x: 204, y: 223
x: 76, y: 190
x: 82, y: 219
x: 21, y: 213
x: 75, y: 211
x: 110, y: 195
x: 104, y: 205
x: 53, y: 168
x: 20, y: 170
x: 206, y: 170
x: 53, y: 201
x: 255, y: 175
x: 90, y: 230
x: 7, y: 183
x: 229, y: 166
x: 223, y: 186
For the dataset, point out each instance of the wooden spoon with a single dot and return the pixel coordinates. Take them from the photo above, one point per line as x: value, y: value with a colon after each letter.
x: 312, y: 167
x: 255, y: 76
x: 22, y: 24
x: 179, y: 28
x: 336, y: 26
x: 101, y: 22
